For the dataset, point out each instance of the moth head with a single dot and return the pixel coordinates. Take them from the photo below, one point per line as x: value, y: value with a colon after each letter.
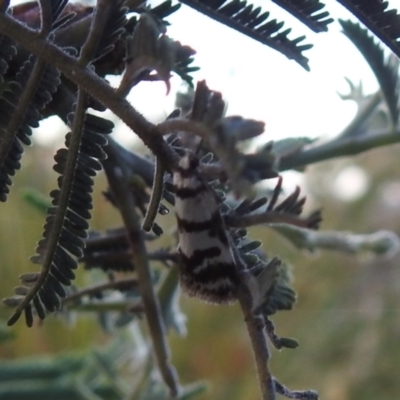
x: 189, y: 162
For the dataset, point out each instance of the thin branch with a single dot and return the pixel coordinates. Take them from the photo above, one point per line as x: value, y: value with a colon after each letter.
x: 379, y: 243
x: 278, y: 342
x: 255, y: 329
x: 339, y: 147
x: 184, y: 125
x: 110, y: 240
x: 295, y: 394
x: 156, y: 196
x: 259, y: 344
x: 130, y: 306
x: 267, y: 217
x: 120, y: 256
x: 126, y: 203
x: 119, y: 284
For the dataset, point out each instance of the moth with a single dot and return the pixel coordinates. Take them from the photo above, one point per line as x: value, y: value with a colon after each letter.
x: 207, y: 268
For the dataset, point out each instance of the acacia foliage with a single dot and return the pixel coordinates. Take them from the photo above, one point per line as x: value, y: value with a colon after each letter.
x: 58, y: 68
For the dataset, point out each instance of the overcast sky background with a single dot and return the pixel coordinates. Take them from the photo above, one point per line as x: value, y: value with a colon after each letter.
x: 261, y: 83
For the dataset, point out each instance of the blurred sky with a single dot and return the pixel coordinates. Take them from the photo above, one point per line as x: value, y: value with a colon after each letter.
x: 261, y: 83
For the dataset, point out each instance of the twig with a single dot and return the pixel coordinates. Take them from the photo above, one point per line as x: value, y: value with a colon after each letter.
x: 339, y: 147
x: 295, y: 394
x: 278, y: 342
x: 184, y: 125
x: 156, y: 196
x: 267, y: 217
x: 94, y: 289
x: 259, y: 344
x: 380, y: 242
x: 255, y: 329
x: 110, y: 239
x: 126, y: 204
x: 130, y: 306
x: 123, y: 256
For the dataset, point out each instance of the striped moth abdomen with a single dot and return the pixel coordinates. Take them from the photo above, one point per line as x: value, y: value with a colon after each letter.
x: 207, y: 269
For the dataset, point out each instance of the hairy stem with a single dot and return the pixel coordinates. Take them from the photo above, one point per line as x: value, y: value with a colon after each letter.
x: 267, y: 217
x: 339, y: 147
x: 126, y: 204
x: 259, y: 345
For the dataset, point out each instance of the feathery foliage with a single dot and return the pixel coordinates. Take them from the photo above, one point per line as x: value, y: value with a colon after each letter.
x: 375, y: 15
x: 309, y: 12
x: 386, y: 69
x: 252, y: 22
x: 66, y: 223
x: 63, y: 241
x: 21, y: 103
x: 57, y: 65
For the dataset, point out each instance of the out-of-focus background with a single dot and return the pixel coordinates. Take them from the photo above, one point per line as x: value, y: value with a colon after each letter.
x: 347, y: 317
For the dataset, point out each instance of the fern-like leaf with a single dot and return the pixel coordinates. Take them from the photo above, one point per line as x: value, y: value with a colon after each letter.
x: 113, y: 29
x: 383, y: 22
x: 386, y: 70
x: 293, y: 205
x: 287, y: 211
x: 183, y: 60
x: 282, y: 296
x: 164, y: 10
x: 271, y: 273
x: 21, y: 104
x: 66, y: 223
x: 109, y: 251
x: 158, y: 13
x: 308, y: 12
x: 50, y: 13
x: 249, y: 20
x: 7, y: 52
